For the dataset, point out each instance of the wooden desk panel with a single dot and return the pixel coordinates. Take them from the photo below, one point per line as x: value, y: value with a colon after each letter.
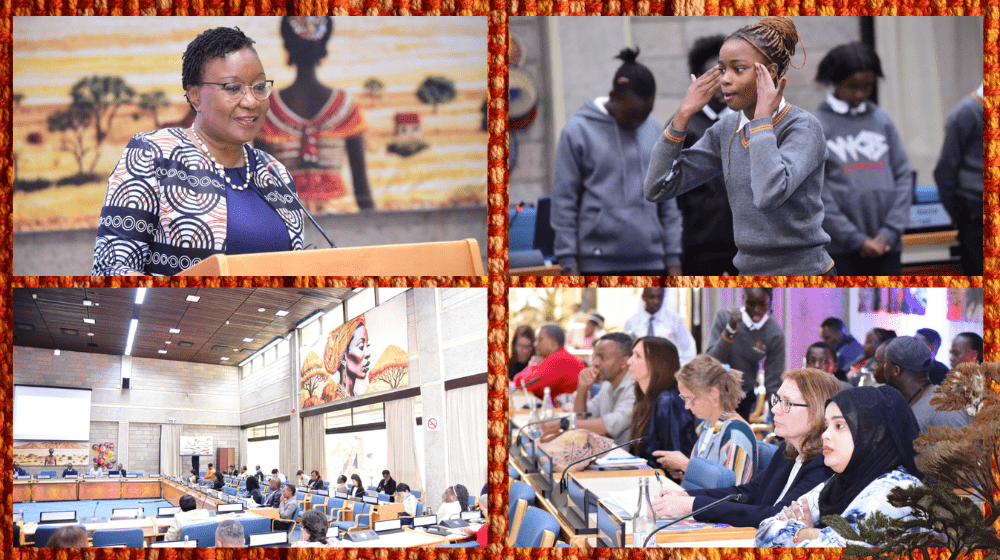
x: 140, y: 489
x: 101, y: 489
x: 22, y: 491
x: 387, y: 511
x: 54, y: 491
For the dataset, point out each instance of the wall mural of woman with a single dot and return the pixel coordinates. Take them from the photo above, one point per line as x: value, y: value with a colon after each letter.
x: 348, y: 354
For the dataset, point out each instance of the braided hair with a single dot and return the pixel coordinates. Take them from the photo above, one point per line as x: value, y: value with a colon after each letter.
x: 632, y: 76
x: 846, y: 60
x: 774, y: 38
x: 213, y: 43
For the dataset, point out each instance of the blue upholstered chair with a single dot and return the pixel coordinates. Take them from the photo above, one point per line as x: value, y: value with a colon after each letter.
x: 229, y: 490
x: 254, y: 526
x: 319, y: 502
x: 52, y: 474
x: 512, y: 473
x: 360, y: 509
x: 131, y: 538
x: 702, y: 473
x: 384, y: 497
x: 518, y: 490
x: 765, y: 452
x: 204, y: 533
x: 42, y: 535
x: 535, y: 529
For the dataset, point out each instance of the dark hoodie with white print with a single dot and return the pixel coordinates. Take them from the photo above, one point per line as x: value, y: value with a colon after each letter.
x: 601, y: 218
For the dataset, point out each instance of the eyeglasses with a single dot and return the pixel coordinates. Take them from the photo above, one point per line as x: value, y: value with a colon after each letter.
x: 786, y: 405
x: 234, y: 91
x: 688, y: 400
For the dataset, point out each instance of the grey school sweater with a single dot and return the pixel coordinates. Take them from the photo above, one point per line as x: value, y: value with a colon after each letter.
x: 959, y: 170
x: 775, y: 178
x: 875, y: 198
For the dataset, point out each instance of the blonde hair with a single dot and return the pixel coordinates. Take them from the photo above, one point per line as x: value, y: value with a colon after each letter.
x: 816, y: 387
x: 338, y: 343
x: 705, y: 372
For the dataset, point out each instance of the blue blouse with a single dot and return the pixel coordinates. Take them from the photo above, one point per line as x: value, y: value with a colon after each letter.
x: 671, y: 428
x: 253, y: 225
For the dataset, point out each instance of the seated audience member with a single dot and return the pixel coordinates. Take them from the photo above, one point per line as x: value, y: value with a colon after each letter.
x: 300, y: 478
x: 554, y: 367
x: 656, y: 320
x: 819, y: 356
x: 711, y: 392
x: 220, y: 481
x: 18, y: 471
x: 122, y: 471
x: 611, y: 408
x: 243, y: 473
x: 874, y: 337
x: 797, y: 465
x: 210, y: 474
x: 342, y: 485
x: 741, y: 337
x: 230, y: 534
x: 522, y: 348
x: 833, y: 331
x: 233, y: 471
x: 259, y: 474
x: 288, y: 505
x: 455, y: 501
x: 188, y: 515
x: 193, y: 476
x: 967, y: 347
x: 96, y: 470
x: 70, y: 536
x: 659, y: 414
x: 387, y: 485
x: 593, y: 330
x: 253, y: 490
x: 906, y: 363
x: 868, y: 442
x: 356, y: 488
x: 274, y: 498
x: 69, y: 471
x: 932, y: 339
x: 278, y: 475
x: 408, y: 500
x: 314, y: 525
x: 315, y: 482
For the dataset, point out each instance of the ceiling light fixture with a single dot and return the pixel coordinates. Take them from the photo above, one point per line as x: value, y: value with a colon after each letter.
x: 131, y: 336
x: 140, y: 295
x: 193, y: 299
x: 89, y: 321
x: 174, y: 331
x: 281, y: 313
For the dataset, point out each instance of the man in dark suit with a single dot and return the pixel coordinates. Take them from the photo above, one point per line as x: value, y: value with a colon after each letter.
x: 69, y: 471
x: 387, y: 485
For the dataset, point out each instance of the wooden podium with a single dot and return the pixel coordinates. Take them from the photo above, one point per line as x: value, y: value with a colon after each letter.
x: 446, y: 258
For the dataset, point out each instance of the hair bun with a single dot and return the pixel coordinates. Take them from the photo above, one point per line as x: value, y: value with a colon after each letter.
x: 628, y: 56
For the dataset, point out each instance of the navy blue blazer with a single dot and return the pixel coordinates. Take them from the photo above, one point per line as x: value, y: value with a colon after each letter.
x: 763, y: 489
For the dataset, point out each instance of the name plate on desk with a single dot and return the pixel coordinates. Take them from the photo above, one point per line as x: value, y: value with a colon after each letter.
x: 43, y: 477
x: 362, y: 536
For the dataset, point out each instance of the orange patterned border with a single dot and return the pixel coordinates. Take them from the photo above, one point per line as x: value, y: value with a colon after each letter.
x: 497, y: 281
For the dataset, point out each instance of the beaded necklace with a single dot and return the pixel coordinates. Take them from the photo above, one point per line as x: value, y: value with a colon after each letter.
x: 220, y: 168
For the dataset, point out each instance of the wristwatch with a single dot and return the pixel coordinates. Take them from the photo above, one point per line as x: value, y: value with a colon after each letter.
x: 564, y: 424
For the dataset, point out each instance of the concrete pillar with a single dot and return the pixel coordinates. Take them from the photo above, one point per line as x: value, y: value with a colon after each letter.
x: 427, y: 307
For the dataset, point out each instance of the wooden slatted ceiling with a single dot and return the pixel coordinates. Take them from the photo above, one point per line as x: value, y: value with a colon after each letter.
x: 222, y: 317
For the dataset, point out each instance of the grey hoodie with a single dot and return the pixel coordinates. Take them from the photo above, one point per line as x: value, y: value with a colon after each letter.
x: 601, y: 218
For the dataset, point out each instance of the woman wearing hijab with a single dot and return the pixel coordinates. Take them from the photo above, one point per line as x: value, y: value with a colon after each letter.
x: 868, y: 443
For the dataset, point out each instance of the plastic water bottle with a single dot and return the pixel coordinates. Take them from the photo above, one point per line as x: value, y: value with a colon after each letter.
x: 547, y: 408
x: 643, y: 521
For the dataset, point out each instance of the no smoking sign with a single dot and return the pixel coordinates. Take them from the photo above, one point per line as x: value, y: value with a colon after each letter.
x: 433, y: 424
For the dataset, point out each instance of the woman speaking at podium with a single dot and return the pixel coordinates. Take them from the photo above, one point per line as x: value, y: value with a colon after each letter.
x: 178, y: 196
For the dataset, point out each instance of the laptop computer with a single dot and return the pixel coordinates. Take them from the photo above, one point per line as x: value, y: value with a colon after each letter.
x: 277, y: 539
x: 388, y: 526
x: 229, y: 508
x: 126, y: 513
x: 64, y: 517
x: 166, y: 512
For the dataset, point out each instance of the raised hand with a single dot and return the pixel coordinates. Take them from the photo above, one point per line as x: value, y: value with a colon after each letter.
x: 768, y: 96
x: 699, y: 93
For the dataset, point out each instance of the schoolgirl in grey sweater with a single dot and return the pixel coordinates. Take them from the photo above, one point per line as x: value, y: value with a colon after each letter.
x: 770, y: 153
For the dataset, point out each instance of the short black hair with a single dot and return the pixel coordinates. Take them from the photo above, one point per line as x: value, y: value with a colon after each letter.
x: 822, y: 346
x: 290, y: 488
x: 632, y: 76
x: 385, y: 472
x: 768, y: 291
x: 274, y: 471
x: 623, y: 340
x: 834, y: 324
x: 555, y: 332
x: 931, y: 336
x: 402, y: 487
x: 846, y: 60
x: 341, y: 479
x: 303, y: 51
x: 703, y: 50
x: 975, y: 343
x: 252, y: 483
x: 187, y: 502
x: 213, y: 43
x: 884, y: 335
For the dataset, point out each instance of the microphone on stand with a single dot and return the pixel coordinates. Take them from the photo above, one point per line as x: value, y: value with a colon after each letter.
x: 562, y: 479
x: 296, y: 197
x: 740, y: 498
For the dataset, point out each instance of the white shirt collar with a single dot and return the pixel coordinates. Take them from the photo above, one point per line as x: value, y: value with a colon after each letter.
x: 749, y: 322
x: 600, y: 101
x: 743, y: 116
x: 979, y: 91
x: 712, y: 114
x: 843, y: 108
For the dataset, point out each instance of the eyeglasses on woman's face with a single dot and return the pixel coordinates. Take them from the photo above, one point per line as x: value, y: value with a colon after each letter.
x: 234, y: 91
x: 785, y: 405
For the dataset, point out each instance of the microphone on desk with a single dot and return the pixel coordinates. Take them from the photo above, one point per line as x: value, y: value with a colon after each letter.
x: 578, y: 414
x: 296, y: 197
x: 562, y: 479
x: 740, y: 498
